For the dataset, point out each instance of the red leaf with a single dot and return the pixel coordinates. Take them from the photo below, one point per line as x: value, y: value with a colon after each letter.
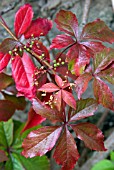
x: 49, y: 87
x: 40, y: 141
x: 81, y: 83
x: 69, y: 98
x: 93, y: 47
x: 39, y: 27
x: 23, y: 19
x: 66, y: 153
x: 103, y: 59
x: 33, y: 120
x: 91, y: 135
x: 66, y: 21
x: 61, y: 41
x: 7, y: 109
x: 84, y: 108
x: 97, y: 30
x: 103, y: 94
x: 59, y: 81
x: 4, y: 60
x: 57, y: 100
x: 41, y: 50
x: 5, y: 81
x: 3, y: 156
x: 41, y: 109
x: 78, y: 57
x: 22, y: 70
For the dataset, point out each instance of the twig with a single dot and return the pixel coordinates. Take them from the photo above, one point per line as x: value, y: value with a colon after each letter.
x: 97, y: 156
x: 86, y: 11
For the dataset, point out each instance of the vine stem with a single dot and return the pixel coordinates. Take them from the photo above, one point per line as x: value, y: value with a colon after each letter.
x: 43, y: 61
x: 7, y: 29
x: 86, y: 11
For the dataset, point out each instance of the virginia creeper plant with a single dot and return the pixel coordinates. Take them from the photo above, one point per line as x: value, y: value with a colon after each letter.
x: 55, y: 86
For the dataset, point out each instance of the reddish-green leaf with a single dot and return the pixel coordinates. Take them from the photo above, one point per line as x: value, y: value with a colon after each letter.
x: 3, y: 156
x: 78, y: 58
x: 66, y: 21
x: 59, y: 81
x: 4, y: 60
x: 97, y: 30
x: 61, y: 41
x: 49, y: 87
x: 66, y: 153
x: 69, y: 98
x: 5, y: 81
x: 18, y: 102
x: 103, y: 59
x: 103, y: 94
x: 84, y: 108
x: 7, y: 109
x: 91, y: 135
x: 44, y: 111
x: 34, y: 119
x: 23, y: 19
x: 40, y: 141
x: 39, y: 27
x: 108, y: 74
x: 8, y: 44
x: 22, y: 70
x: 81, y: 83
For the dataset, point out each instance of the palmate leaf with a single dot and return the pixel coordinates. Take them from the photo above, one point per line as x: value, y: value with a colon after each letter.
x: 61, y: 41
x: 81, y: 83
x: 40, y: 141
x: 22, y: 71
x: 38, y: 27
x: 66, y: 21
x: 103, y: 93
x: 108, y: 74
x: 8, y: 44
x: 23, y: 19
x: 69, y: 98
x: 66, y: 153
x: 103, y: 59
x: 91, y: 135
x: 46, y: 112
x: 34, y: 119
x: 85, y: 108
x: 4, y: 60
x: 97, y: 30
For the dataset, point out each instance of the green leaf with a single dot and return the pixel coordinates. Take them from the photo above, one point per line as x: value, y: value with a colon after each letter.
x: 6, y: 133
x: 112, y: 156
x: 18, y: 162
x: 103, y: 165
